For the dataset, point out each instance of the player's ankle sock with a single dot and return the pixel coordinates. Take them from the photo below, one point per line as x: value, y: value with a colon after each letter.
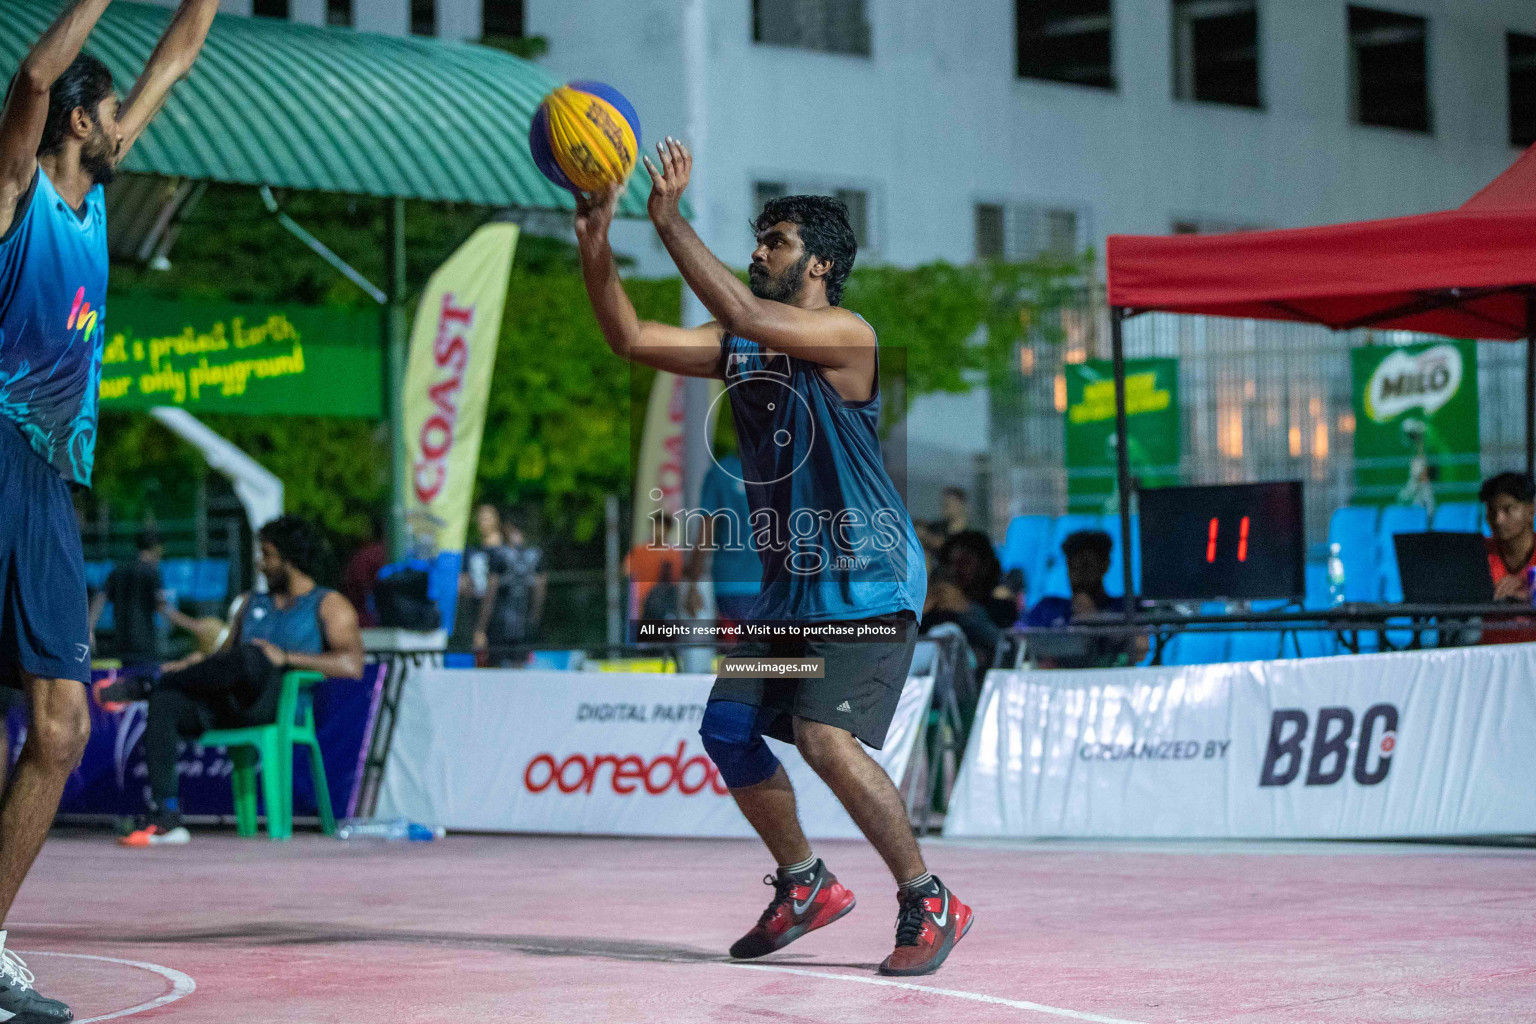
x: 799, y: 871
x: 924, y: 883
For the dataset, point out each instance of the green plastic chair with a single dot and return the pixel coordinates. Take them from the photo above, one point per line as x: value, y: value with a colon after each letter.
x: 272, y: 745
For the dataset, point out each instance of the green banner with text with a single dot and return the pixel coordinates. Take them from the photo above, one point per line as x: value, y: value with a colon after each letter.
x: 1416, y: 423
x: 1152, y: 417
x: 253, y: 359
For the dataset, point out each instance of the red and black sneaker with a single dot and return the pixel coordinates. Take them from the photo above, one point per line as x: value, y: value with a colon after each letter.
x: 799, y: 905
x: 927, y: 927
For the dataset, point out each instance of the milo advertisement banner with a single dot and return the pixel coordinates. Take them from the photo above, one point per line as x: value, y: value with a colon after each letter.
x: 258, y: 359
x: 1152, y: 420
x: 1416, y: 423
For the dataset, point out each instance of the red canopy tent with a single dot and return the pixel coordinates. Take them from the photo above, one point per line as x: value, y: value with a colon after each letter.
x: 1466, y: 273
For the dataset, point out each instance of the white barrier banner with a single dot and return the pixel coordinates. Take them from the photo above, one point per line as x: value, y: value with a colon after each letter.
x: 603, y: 753
x: 1425, y: 743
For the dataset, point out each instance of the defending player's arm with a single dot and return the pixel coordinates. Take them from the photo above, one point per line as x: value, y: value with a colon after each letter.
x: 829, y: 335
x: 173, y: 57
x: 689, y: 352
x: 26, y: 106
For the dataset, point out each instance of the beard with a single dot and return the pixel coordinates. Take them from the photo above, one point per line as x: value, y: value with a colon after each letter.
x: 99, y: 160
x: 784, y: 287
x: 278, y: 580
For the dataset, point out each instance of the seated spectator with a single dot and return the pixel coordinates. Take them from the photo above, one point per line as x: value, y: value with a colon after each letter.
x: 296, y: 624
x: 947, y: 611
x: 972, y: 561
x: 1510, y: 499
x: 1088, y: 558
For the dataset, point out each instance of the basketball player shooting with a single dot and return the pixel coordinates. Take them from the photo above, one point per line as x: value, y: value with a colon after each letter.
x: 802, y: 374
x: 63, y: 131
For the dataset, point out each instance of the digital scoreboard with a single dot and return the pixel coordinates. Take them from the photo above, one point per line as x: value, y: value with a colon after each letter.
x: 1239, y: 542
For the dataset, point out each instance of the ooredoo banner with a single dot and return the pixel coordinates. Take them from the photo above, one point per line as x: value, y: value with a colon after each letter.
x: 590, y: 752
x: 1422, y: 743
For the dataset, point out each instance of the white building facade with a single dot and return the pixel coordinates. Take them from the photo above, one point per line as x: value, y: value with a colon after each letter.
x: 964, y: 128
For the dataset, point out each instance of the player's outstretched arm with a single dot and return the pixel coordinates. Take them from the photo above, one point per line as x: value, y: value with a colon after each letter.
x: 688, y: 352
x: 26, y: 106
x: 173, y: 57
x: 830, y: 335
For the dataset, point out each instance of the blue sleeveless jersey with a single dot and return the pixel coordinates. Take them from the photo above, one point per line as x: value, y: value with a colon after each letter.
x: 296, y: 628
x: 53, y: 296
x: 830, y: 528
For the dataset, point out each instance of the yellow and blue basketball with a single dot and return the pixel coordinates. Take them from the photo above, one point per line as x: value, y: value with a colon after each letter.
x: 585, y: 137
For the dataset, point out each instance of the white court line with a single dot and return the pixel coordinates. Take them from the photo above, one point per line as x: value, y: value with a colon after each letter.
x: 975, y: 997
x: 181, y: 985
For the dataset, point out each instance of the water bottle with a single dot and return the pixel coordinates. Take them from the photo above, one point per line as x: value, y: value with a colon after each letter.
x: 1335, y: 574
x: 1530, y: 584
x: 392, y: 830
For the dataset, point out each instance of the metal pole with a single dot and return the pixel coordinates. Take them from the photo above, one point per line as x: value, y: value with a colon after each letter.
x: 1122, y: 457
x: 611, y: 571
x: 696, y: 391
x: 394, y: 373
x: 1530, y: 382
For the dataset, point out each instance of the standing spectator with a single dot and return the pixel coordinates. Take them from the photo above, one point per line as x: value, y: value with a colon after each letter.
x: 504, y: 575
x: 650, y: 564
x: 362, y: 573
x: 1510, y: 499
x: 724, y: 542
x: 134, y: 590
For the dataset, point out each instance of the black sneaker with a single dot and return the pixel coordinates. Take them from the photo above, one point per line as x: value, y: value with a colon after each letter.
x: 799, y: 905
x: 19, y: 1001
x: 928, y: 924
x: 115, y: 696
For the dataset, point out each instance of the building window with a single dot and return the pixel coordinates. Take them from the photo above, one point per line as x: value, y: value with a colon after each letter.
x: 1066, y: 41
x: 860, y: 217
x: 1389, y: 56
x: 338, y: 13
x: 270, y: 8
x: 1025, y: 231
x: 1522, y: 89
x: 423, y: 17
x: 1216, y: 51
x: 831, y: 26
x: 501, y: 19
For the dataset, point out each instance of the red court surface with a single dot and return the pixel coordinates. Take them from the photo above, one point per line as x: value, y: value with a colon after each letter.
x: 482, y: 928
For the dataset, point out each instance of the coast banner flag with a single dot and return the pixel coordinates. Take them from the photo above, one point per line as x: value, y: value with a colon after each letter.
x: 447, y: 383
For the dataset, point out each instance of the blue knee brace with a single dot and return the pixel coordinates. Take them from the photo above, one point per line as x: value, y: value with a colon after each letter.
x: 733, y: 739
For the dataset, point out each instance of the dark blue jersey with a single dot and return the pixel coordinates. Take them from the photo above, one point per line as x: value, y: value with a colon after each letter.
x: 827, y: 522
x: 53, y: 296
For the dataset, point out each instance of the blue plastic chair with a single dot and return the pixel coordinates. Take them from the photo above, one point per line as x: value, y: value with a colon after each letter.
x: 1353, y: 529
x: 1459, y: 517
x: 1200, y: 648
x: 180, y: 575
x: 211, y: 583
x: 1027, y: 546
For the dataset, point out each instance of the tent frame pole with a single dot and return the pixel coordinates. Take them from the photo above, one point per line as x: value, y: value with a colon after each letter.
x: 1122, y: 456
x: 1530, y: 382
x: 394, y: 330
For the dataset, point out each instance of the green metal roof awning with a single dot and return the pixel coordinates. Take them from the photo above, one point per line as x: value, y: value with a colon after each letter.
x: 330, y: 110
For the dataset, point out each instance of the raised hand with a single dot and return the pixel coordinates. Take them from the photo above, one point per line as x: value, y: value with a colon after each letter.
x: 594, y: 213
x: 669, y: 179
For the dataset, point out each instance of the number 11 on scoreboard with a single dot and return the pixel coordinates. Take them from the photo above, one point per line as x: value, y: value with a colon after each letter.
x: 1214, y: 530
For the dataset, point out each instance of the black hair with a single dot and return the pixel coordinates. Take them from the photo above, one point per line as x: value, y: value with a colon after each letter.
x: 85, y: 83
x: 301, y: 545
x: 824, y: 231
x: 958, y: 492
x: 979, y: 545
x: 146, y: 540
x: 1096, y: 541
x: 1518, y: 486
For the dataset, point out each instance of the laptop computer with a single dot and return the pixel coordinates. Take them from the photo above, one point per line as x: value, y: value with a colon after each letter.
x: 1439, y: 567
